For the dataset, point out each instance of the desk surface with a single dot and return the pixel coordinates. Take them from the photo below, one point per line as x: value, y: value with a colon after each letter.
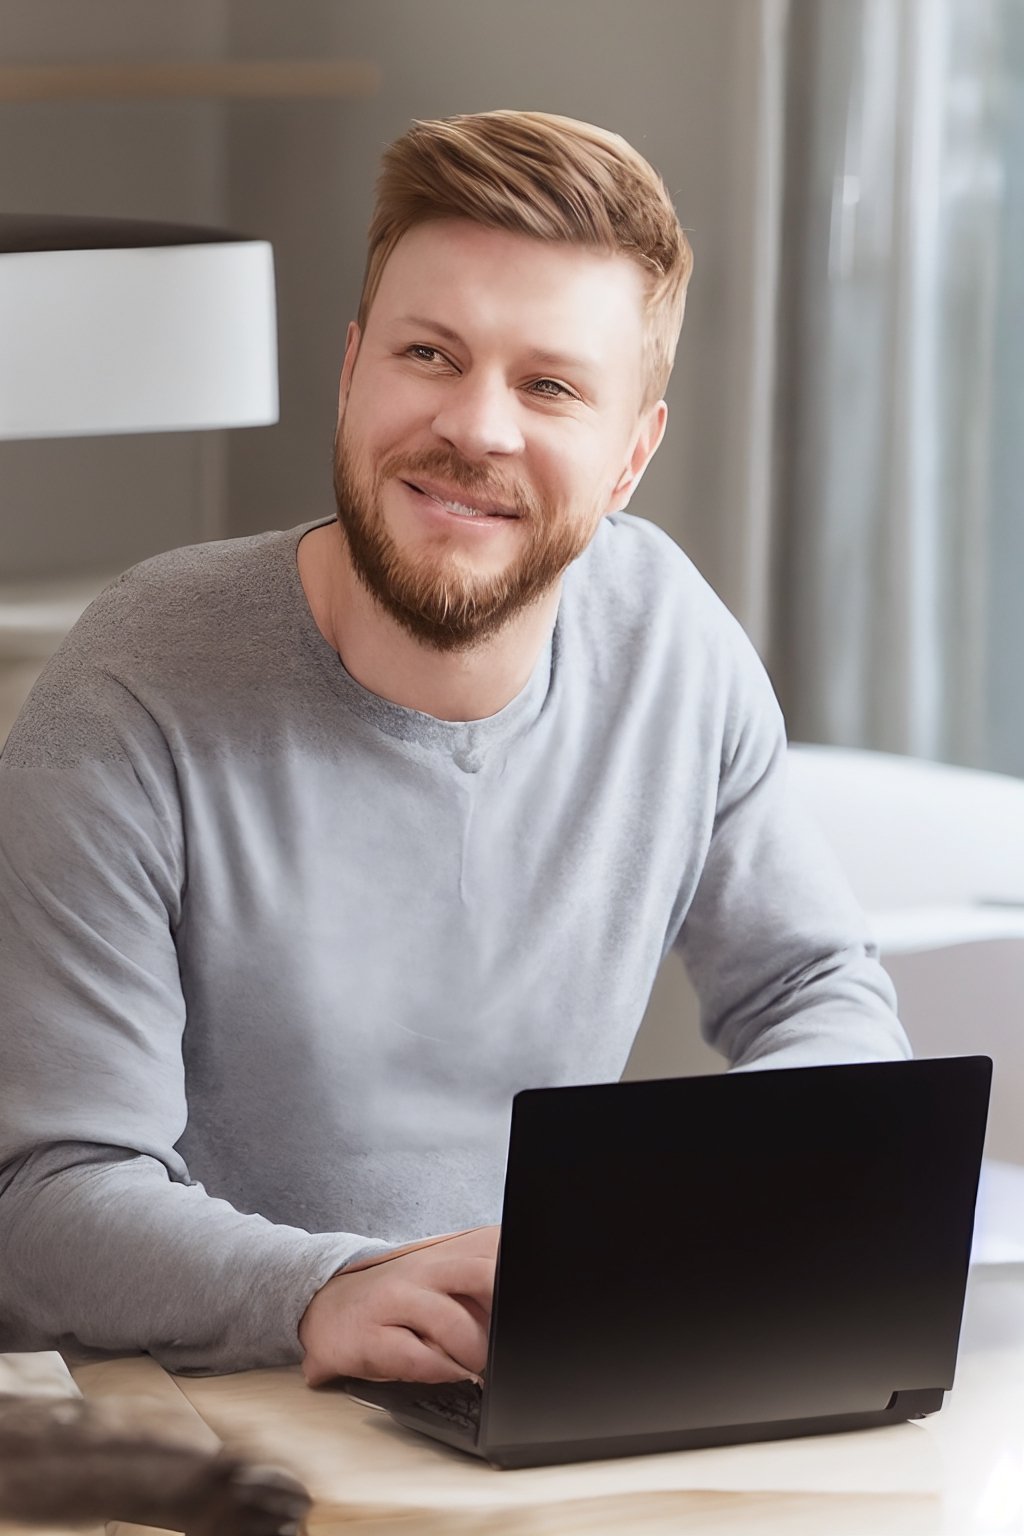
x: 959, y: 1473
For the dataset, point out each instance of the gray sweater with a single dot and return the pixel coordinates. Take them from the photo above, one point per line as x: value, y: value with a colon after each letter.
x: 275, y: 954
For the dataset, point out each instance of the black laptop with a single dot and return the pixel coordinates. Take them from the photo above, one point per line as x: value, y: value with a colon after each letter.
x: 704, y: 1261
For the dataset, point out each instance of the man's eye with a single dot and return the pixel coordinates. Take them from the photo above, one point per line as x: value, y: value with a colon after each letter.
x: 422, y: 353
x: 551, y: 388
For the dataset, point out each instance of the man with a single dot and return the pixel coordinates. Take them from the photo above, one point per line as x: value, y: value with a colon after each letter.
x: 318, y: 846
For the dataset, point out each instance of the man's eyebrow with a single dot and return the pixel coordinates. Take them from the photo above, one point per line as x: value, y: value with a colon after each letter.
x: 539, y: 355
x: 425, y: 324
x: 560, y: 362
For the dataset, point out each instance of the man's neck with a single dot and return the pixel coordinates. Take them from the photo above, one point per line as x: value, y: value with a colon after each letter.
x: 385, y: 659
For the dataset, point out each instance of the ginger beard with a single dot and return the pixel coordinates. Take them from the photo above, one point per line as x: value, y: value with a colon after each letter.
x: 434, y: 594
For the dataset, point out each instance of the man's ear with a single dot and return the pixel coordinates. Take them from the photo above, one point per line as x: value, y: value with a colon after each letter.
x: 645, y: 444
x: 352, y: 339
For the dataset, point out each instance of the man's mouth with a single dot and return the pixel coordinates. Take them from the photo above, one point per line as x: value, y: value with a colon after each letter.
x: 458, y: 507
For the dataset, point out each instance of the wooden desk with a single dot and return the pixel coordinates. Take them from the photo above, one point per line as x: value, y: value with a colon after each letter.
x: 959, y: 1473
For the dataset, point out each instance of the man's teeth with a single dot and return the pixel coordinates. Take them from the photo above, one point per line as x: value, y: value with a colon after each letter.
x: 460, y: 509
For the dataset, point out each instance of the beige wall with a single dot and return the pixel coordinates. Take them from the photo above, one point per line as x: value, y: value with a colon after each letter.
x: 677, y: 77
x: 79, y: 504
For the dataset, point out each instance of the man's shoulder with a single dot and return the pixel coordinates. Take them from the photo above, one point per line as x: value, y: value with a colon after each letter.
x: 638, y: 608
x: 212, y: 581
x: 635, y: 575
x: 179, y: 637
x: 176, y: 607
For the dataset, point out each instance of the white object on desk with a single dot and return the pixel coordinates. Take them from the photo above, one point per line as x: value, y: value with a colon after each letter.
x: 999, y: 1218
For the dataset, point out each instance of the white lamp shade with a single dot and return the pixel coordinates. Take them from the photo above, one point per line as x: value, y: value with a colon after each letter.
x: 158, y: 329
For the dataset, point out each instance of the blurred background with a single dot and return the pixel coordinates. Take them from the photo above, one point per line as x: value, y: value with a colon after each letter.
x: 845, y: 455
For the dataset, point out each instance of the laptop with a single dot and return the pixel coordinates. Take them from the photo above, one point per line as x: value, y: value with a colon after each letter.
x: 712, y: 1260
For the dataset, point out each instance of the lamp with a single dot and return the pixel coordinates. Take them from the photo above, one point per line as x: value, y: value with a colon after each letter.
x: 119, y: 325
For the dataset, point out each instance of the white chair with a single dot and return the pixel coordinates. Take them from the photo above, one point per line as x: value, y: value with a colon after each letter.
x: 934, y: 853
x: 936, y: 856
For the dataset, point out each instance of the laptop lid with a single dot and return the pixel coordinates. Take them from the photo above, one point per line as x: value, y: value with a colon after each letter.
x: 785, y: 1244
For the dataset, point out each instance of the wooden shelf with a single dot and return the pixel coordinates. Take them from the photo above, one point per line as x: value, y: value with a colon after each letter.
x: 221, y: 79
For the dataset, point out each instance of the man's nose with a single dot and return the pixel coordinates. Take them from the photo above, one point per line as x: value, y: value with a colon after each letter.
x: 479, y: 417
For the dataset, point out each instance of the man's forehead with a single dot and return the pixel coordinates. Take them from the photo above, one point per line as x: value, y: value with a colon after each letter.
x: 563, y: 299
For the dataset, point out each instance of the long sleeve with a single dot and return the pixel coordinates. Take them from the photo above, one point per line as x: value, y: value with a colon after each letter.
x: 277, y: 954
x: 104, y: 1238
x: 777, y: 947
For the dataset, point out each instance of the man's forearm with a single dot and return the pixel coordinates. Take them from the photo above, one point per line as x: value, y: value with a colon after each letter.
x: 100, y: 1247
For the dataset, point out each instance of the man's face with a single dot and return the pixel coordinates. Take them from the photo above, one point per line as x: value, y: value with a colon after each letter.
x: 489, y: 417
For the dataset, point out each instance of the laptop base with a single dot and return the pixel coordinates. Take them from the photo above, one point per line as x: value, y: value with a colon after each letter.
x: 389, y: 1395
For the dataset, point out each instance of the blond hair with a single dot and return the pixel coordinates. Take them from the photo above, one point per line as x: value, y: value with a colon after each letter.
x: 550, y: 177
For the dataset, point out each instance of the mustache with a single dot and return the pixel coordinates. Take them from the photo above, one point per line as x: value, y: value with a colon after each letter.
x: 475, y: 479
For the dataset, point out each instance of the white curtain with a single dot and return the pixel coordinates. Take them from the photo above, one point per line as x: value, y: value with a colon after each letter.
x: 894, y: 525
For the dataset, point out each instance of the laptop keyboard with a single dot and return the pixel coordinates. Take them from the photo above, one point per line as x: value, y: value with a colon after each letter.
x: 458, y: 1402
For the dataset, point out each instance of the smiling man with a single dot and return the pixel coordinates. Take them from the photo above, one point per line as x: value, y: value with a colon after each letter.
x: 316, y: 847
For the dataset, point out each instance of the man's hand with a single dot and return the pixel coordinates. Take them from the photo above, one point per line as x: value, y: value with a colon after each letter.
x: 420, y: 1314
